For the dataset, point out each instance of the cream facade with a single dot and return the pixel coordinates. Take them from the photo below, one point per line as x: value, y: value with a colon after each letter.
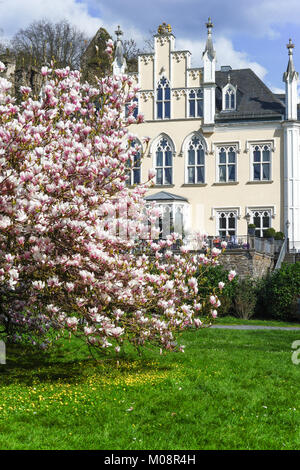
x: 224, y: 147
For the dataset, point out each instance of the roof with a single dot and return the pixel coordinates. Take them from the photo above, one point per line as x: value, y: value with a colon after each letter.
x: 164, y: 196
x: 254, y: 99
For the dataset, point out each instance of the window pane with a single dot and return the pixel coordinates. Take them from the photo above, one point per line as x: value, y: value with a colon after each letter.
x: 256, y: 172
x: 167, y: 93
x: 222, y: 156
x: 231, y: 157
x: 266, y: 222
x: 266, y: 171
x: 167, y: 109
x: 199, y: 108
x: 256, y: 155
x: 200, y: 157
x: 191, y: 157
x: 136, y: 176
x: 191, y: 175
x: 266, y: 155
x: 222, y: 173
x: 231, y: 172
x: 137, y: 159
x: 192, y: 108
x: 232, y: 101
x: 227, y: 100
x: 200, y: 174
x: 168, y: 176
x: 256, y: 221
x: 159, y: 94
x: 168, y: 158
x: 128, y: 181
x: 222, y: 222
x: 231, y: 222
x: 159, y: 110
x: 159, y: 158
x: 159, y: 176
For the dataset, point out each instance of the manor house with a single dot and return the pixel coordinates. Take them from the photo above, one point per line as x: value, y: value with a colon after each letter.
x: 224, y: 147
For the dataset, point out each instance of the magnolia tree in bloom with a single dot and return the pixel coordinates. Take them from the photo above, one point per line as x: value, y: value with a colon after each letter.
x: 69, y: 225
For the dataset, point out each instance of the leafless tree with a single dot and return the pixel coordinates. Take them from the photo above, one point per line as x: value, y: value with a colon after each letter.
x: 43, y: 41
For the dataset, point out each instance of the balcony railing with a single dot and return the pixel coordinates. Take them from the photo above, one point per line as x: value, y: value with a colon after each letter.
x: 247, y: 242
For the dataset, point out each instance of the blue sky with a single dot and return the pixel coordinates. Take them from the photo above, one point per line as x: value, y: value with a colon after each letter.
x: 247, y: 33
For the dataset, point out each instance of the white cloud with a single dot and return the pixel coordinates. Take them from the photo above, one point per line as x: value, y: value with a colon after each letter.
x: 226, y: 55
x: 279, y: 91
x: 16, y: 14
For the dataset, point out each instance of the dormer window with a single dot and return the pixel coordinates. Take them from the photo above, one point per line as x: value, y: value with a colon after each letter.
x: 229, y: 98
x: 163, y: 99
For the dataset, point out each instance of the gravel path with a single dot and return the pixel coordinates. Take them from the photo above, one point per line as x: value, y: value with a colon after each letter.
x: 255, y: 327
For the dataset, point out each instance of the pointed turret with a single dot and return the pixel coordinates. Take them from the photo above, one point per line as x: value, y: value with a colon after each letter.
x: 291, y: 153
x: 290, y: 77
x: 119, y: 64
x: 209, y: 47
x: 209, y: 85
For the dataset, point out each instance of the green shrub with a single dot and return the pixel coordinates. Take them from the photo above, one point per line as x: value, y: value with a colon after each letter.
x: 278, y: 293
x: 209, y: 278
x: 279, y: 236
x: 245, y: 298
x: 270, y: 233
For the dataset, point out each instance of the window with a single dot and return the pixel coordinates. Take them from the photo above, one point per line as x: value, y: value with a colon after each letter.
x: 136, y: 109
x: 229, y: 98
x: 134, y: 171
x: 226, y: 164
x: 163, y: 100
x: 195, y: 161
x: 226, y: 221
x: 163, y: 162
x: 171, y: 220
x: 196, y: 103
x: 261, y: 161
x: 262, y: 221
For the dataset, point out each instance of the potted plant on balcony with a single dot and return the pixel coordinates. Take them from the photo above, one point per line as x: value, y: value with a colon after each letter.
x: 270, y: 234
x: 251, y: 229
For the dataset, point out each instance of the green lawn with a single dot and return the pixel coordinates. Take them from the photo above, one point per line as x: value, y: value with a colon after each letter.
x: 229, y: 390
x: 255, y: 321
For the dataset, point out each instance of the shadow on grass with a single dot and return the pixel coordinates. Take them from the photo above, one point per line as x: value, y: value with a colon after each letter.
x: 70, y: 362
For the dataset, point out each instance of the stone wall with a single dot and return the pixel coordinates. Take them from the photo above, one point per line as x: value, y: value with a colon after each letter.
x: 247, y: 262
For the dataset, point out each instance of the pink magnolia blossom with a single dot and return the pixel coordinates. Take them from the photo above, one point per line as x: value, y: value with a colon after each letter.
x: 76, y: 254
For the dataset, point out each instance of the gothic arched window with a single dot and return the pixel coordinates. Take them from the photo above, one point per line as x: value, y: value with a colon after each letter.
x: 196, y: 103
x: 227, y: 164
x: 164, y: 162
x: 134, y: 166
x: 195, y: 161
x: 229, y: 98
x: 262, y: 221
x: 261, y: 158
x: 227, y: 221
x: 163, y: 99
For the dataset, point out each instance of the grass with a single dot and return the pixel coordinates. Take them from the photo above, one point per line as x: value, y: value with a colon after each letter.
x: 228, y: 320
x: 229, y: 390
